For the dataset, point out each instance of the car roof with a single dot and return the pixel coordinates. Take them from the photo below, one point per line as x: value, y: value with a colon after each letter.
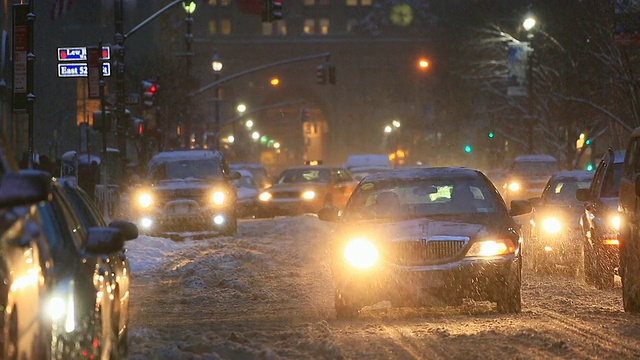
x: 328, y: 167
x: 536, y: 157
x: 573, y: 174
x: 184, y: 155
x: 424, y: 173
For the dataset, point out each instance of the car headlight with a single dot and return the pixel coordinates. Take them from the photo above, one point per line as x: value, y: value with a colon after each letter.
x: 491, y: 248
x: 265, y: 196
x: 145, y: 200
x: 551, y: 225
x: 218, y: 198
x: 61, y: 308
x: 309, y: 195
x: 361, y: 253
x: 615, y: 222
x: 513, y: 186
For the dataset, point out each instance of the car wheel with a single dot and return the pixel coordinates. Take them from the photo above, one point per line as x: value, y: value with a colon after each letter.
x: 510, y: 299
x: 629, y: 274
x: 345, y: 310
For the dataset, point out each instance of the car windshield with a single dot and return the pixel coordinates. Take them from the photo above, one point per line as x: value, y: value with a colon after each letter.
x: 304, y: 175
x: 244, y: 182
x: 208, y: 168
x: 535, y: 167
x: 611, y: 182
x: 418, y: 198
x: 564, y: 191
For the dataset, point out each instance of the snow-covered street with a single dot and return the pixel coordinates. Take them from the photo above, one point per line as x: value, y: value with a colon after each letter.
x: 266, y: 293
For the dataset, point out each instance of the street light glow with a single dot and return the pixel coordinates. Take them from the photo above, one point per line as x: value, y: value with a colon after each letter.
x: 189, y: 6
x: 275, y: 81
x: 423, y: 64
x: 387, y: 129
x: 216, y: 64
x: 529, y: 23
x: 231, y: 139
x: 249, y: 124
x: 395, y: 123
x: 276, y: 145
x: 241, y: 108
x: 255, y: 135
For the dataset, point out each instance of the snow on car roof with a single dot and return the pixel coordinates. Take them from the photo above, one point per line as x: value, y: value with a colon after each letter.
x: 367, y: 160
x: 184, y: 155
x: 540, y: 157
x: 423, y: 173
x: 574, y: 174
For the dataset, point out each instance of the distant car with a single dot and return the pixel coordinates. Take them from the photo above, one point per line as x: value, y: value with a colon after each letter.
x: 90, y: 216
x: 600, y: 221
x: 360, y: 172
x: 248, y: 192
x: 426, y: 236
x: 25, y: 265
x: 527, y: 175
x: 367, y: 161
x: 556, y: 234
x: 186, y: 190
x: 260, y: 174
x: 305, y: 189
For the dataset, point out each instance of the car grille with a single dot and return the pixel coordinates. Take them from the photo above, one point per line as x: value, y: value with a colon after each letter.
x: 423, y: 251
x: 187, y: 194
x: 286, y: 195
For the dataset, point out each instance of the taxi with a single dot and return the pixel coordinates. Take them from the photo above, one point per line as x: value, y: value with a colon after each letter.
x: 306, y: 189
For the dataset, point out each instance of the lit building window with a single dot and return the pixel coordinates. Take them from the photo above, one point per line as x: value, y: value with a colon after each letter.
x: 267, y: 28
x: 365, y: 2
x: 359, y: 2
x: 219, y: 2
x: 281, y: 27
x: 352, y: 2
x: 275, y: 28
x: 324, y: 26
x: 213, y: 27
x: 309, y: 2
x: 309, y: 26
x: 225, y: 27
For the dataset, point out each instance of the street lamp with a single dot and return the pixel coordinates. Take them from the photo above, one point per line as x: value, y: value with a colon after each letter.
x: 216, y: 65
x: 528, y: 24
x: 189, y: 8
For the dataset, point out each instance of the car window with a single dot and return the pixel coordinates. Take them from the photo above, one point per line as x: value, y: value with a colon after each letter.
x: 87, y: 212
x: 209, y: 168
x: 611, y: 181
x: 535, y: 167
x: 631, y: 165
x: 564, y: 191
x: 304, y: 175
x: 57, y: 224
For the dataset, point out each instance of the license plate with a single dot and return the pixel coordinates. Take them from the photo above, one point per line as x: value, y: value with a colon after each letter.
x: 181, y: 209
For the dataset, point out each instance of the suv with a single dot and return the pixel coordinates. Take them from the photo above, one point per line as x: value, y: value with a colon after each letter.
x: 630, y: 225
x: 186, y: 190
x: 600, y: 222
x: 527, y: 176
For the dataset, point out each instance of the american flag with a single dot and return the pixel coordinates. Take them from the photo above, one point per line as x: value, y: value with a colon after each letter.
x: 59, y: 8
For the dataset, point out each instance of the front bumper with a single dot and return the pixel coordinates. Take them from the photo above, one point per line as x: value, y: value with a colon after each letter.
x: 475, y: 278
x: 183, y: 215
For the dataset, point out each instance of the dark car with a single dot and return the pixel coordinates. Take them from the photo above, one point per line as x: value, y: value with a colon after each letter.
x: 306, y: 189
x: 81, y: 305
x: 186, y: 190
x: 426, y: 236
x: 248, y: 191
x: 260, y: 174
x: 556, y: 236
x: 526, y: 176
x: 600, y: 221
x: 90, y: 217
x: 25, y: 266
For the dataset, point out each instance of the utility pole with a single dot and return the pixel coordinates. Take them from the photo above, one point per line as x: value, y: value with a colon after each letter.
x: 119, y: 52
x: 188, y: 38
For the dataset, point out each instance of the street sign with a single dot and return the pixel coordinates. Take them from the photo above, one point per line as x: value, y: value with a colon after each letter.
x: 80, y: 70
x: 79, y: 53
x: 93, y: 66
x: 132, y: 99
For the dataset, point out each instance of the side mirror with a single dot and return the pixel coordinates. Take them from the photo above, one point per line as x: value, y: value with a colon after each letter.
x: 535, y: 201
x: 129, y: 230
x: 104, y: 240
x: 520, y: 207
x: 234, y: 175
x: 583, y: 194
x: 25, y: 187
x: 329, y: 213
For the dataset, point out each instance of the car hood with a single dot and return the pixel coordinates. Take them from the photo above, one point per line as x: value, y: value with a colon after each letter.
x: 178, y: 184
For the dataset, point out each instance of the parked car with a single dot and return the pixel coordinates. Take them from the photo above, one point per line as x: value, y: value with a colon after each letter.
x: 25, y: 265
x: 526, y: 176
x: 600, y: 221
x: 80, y: 306
x: 90, y: 217
x: 630, y: 226
x: 556, y: 237
x: 426, y: 236
x: 185, y: 190
x: 260, y: 174
x: 248, y: 192
x: 305, y: 189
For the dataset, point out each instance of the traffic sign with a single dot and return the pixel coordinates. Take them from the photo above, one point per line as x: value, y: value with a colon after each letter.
x: 132, y: 99
x: 80, y: 70
x: 79, y: 53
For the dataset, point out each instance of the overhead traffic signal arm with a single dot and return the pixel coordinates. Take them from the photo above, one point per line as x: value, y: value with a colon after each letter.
x: 271, y: 10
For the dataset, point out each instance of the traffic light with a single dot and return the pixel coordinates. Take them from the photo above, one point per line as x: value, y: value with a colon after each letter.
x: 271, y: 10
x: 589, y: 167
x: 423, y: 64
x: 468, y: 149
x: 491, y: 135
x: 149, y: 91
x: 305, y: 115
x: 139, y: 127
x: 321, y: 74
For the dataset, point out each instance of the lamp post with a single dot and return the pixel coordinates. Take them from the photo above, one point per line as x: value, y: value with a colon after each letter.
x: 528, y: 24
x: 189, y: 8
x: 216, y: 65
x: 394, y: 127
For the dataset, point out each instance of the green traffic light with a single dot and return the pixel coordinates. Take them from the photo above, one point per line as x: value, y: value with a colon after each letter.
x: 587, y: 142
x: 589, y: 167
x: 467, y: 148
x: 491, y: 134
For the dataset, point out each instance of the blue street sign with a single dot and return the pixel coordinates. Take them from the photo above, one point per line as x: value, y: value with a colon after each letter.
x: 80, y: 70
x: 79, y: 53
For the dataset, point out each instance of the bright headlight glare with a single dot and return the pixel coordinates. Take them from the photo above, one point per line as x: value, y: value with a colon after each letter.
x: 265, y: 196
x: 615, y: 222
x: 551, y: 225
x: 308, y: 195
x: 361, y: 253
x: 491, y: 248
x: 514, y: 186
x: 145, y: 200
x: 56, y: 308
x: 218, y: 198
x: 62, y: 308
